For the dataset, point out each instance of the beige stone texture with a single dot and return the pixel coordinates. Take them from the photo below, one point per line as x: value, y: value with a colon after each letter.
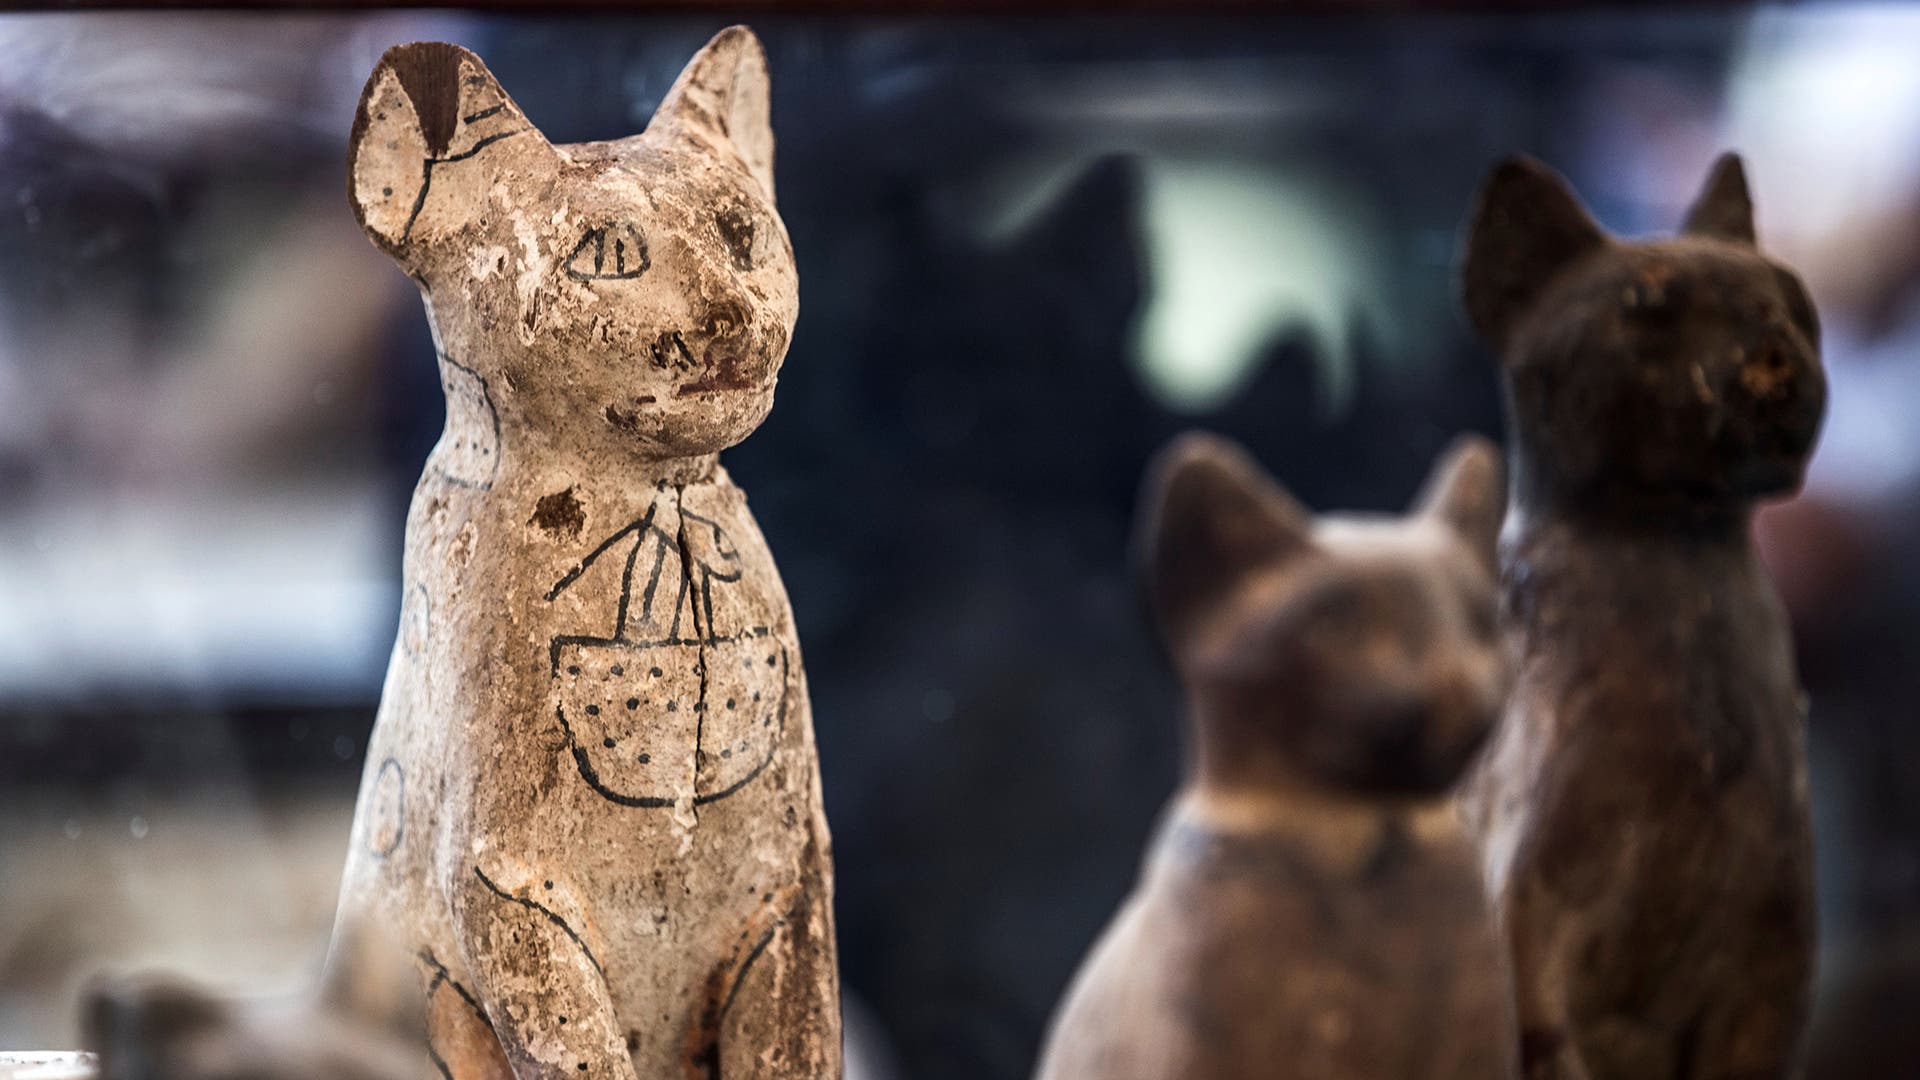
x: 591, y: 803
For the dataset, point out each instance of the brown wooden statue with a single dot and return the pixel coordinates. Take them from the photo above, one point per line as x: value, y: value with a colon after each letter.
x: 1310, y: 907
x: 591, y: 802
x: 1644, y: 805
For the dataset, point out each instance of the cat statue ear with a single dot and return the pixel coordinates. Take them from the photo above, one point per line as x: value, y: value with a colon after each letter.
x: 1212, y: 518
x: 1467, y: 492
x: 1526, y: 227
x: 1723, y: 210
x: 724, y: 99
x: 423, y: 151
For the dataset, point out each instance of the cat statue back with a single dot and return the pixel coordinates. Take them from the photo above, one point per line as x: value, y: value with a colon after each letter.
x: 591, y: 800
x: 1309, y: 906
x: 1644, y: 806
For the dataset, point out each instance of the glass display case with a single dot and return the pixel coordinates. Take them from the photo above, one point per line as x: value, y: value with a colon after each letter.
x: 1031, y: 248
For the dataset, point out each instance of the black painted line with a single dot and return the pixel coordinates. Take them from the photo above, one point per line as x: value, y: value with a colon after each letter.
x: 420, y: 200
x: 740, y: 978
x: 441, y: 975
x: 706, y: 605
x: 441, y: 972
x: 721, y: 542
x: 626, y: 586
x: 493, y: 416
x: 642, y: 522
x: 592, y: 775
x: 773, y: 744
x: 687, y: 564
x: 659, y: 537
x: 426, y: 174
x: 680, y: 596
x: 584, y: 763
x: 561, y: 641
x: 399, y: 833
x: 535, y: 905
x: 477, y: 147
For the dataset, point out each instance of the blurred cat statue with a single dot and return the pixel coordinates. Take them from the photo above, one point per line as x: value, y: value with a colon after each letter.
x: 369, y: 1027
x: 1310, y: 907
x: 591, y: 804
x: 1644, y: 804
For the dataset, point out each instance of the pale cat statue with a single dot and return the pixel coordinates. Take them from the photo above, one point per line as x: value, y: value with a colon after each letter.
x: 1310, y: 907
x: 591, y: 804
x: 1644, y: 804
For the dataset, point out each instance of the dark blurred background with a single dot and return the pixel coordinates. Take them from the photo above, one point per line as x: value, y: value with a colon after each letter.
x: 1030, y: 250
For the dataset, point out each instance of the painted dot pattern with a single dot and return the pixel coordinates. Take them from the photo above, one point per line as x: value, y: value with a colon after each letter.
x: 638, y: 720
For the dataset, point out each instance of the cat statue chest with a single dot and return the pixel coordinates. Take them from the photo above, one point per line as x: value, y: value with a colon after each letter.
x: 670, y: 676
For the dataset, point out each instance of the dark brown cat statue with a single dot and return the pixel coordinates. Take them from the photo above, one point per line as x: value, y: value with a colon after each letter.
x: 1310, y: 907
x: 1643, y: 808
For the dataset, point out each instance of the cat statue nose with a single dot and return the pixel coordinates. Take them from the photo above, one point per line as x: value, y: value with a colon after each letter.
x: 725, y: 317
x: 1770, y: 371
x: 726, y: 331
x: 1785, y: 393
x: 1398, y: 752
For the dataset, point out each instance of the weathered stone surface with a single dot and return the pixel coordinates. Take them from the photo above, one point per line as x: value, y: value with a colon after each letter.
x: 591, y: 802
x: 1644, y: 805
x: 1310, y: 907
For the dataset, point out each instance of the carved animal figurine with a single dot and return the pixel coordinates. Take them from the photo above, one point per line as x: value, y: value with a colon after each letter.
x: 368, y: 1027
x: 1310, y: 907
x: 1644, y: 805
x: 591, y: 800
